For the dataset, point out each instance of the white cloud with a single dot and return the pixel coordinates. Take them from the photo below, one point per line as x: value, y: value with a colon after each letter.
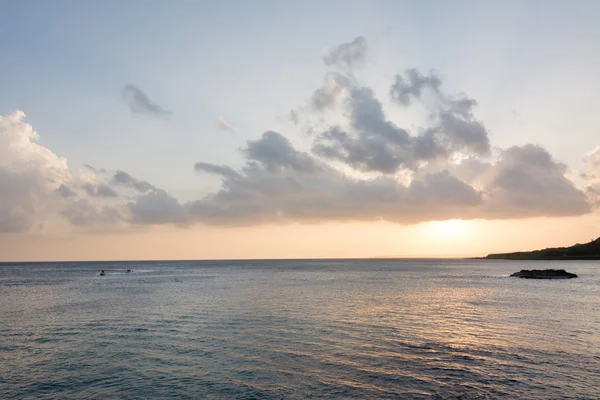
x: 30, y: 175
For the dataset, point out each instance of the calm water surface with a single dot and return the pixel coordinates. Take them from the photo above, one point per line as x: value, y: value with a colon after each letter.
x: 343, y: 329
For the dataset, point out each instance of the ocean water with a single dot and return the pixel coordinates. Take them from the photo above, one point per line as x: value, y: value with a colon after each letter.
x: 298, y: 329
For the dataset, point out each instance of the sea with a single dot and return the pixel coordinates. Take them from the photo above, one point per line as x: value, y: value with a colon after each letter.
x: 299, y: 329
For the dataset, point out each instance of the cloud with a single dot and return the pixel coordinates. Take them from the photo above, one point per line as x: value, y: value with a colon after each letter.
x: 82, y: 213
x: 99, y: 190
x: 224, y: 125
x: 157, y: 207
x: 372, y: 143
x: 331, y: 92
x: 275, y: 152
x: 311, y: 191
x: 139, y: 102
x: 33, y: 180
x: 98, y: 171
x: 122, y: 178
x: 592, y: 161
x: 215, y: 169
x: 592, y: 176
x: 526, y: 181
x: 65, y: 191
x: 347, y: 54
x: 409, y: 87
x: 442, y: 170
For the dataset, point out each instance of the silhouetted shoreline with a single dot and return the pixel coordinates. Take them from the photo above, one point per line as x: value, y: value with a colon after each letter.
x: 586, y: 251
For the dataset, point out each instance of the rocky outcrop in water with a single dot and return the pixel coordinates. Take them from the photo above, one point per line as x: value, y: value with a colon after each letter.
x: 544, y: 274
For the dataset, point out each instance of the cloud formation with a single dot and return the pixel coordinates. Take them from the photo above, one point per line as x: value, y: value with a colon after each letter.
x: 592, y: 176
x: 412, y: 85
x: 33, y: 180
x: 347, y: 54
x: 122, y: 178
x: 139, y: 102
x: 359, y: 165
x: 99, y: 190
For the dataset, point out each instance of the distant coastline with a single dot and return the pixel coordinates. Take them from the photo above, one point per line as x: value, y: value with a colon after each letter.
x: 586, y: 251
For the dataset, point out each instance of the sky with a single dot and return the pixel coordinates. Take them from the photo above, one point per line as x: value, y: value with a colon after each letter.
x: 223, y: 130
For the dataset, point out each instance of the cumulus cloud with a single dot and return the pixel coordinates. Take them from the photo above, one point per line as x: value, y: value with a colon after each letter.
x: 140, y: 103
x: 347, y: 54
x: 224, y: 125
x: 33, y: 180
x: 454, y: 124
x: 36, y: 185
x: 443, y: 170
x: 526, y: 181
x: 299, y: 187
x: 372, y: 143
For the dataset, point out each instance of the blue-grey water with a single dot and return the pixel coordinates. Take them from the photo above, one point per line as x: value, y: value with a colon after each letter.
x: 340, y: 329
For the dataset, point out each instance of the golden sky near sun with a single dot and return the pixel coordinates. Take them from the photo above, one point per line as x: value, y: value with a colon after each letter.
x: 336, y: 240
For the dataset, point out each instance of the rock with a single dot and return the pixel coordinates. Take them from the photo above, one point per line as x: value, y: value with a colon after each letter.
x: 544, y: 274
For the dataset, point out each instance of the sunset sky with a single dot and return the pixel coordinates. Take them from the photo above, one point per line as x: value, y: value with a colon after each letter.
x: 269, y: 129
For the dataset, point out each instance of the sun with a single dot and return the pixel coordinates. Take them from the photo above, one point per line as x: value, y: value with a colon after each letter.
x: 449, y: 229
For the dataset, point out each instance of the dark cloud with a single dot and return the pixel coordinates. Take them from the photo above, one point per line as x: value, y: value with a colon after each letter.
x: 347, y: 54
x: 412, y: 85
x: 275, y: 152
x: 99, y: 190
x: 65, y: 191
x: 139, y: 102
x: 122, y: 178
x: 454, y: 124
x: 374, y: 144
x: 157, y: 207
x: 215, y: 169
x: 462, y: 135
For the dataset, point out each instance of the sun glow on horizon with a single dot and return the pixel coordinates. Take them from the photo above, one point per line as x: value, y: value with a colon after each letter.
x: 452, y: 229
